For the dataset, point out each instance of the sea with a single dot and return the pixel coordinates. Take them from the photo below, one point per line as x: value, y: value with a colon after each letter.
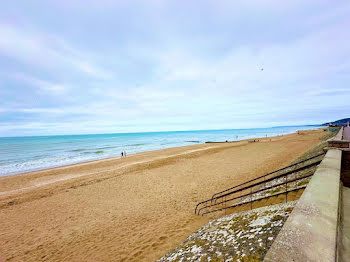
x: 23, y: 154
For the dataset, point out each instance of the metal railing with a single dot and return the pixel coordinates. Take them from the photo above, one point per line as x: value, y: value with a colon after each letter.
x: 272, y: 181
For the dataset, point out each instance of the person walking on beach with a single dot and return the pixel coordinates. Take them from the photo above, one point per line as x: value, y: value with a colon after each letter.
x: 122, y: 154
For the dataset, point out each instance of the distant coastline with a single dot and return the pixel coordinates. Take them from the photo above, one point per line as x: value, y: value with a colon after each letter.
x: 343, y: 121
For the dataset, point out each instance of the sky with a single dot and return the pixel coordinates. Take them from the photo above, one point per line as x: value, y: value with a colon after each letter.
x: 103, y: 66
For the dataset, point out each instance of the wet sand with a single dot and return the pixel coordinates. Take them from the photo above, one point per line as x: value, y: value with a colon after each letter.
x: 131, y: 209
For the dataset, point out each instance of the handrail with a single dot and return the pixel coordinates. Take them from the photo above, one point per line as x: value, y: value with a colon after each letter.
x: 260, y: 198
x: 259, y: 183
x: 220, y: 195
x: 273, y: 178
x: 273, y: 172
x: 257, y: 191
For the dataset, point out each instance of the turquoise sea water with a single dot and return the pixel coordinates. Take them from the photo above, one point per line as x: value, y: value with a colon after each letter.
x: 22, y: 154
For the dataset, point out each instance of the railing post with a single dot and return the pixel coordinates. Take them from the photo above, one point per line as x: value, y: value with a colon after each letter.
x: 286, y: 189
x: 225, y: 205
x: 240, y: 192
x: 251, y: 198
x: 244, y: 187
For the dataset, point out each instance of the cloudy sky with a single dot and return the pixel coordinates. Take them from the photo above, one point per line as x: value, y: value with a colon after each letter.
x: 104, y: 66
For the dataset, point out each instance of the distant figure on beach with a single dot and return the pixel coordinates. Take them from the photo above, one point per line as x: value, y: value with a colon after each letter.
x: 122, y: 154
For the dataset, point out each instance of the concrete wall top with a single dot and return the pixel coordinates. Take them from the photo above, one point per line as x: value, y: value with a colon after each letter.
x: 338, y: 136
x: 310, y: 232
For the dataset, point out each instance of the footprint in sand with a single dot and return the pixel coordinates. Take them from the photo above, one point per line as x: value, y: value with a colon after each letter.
x: 144, y: 247
x: 147, y: 241
x: 136, y: 254
x: 162, y: 238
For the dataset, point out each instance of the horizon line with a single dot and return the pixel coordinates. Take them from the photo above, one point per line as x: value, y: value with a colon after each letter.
x: 195, y: 130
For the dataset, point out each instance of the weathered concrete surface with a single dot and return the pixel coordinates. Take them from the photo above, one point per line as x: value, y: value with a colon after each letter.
x: 339, y: 135
x: 345, y: 227
x: 346, y: 133
x: 244, y: 236
x: 341, y: 139
x: 310, y: 233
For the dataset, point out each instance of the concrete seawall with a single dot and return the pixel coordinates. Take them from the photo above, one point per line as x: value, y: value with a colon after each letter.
x: 318, y: 228
x: 341, y: 140
x: 310, y: 233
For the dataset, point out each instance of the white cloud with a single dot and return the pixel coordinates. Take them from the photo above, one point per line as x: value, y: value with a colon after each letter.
x: 46, y: 51
x: 195, y: 69
x: 329, y: 92
x: 41, y: 85
x: 34, y: 110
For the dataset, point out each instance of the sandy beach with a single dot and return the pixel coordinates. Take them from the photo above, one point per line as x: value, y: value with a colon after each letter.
x: 129, y: 209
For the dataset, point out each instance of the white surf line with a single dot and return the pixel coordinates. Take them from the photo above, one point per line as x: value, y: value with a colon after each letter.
x: 48, y: 182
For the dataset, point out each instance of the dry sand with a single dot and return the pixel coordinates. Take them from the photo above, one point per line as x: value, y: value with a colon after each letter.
x: 131, y: 209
